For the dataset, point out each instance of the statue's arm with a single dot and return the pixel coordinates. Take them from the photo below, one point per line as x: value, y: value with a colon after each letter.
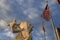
x: 30, y: 28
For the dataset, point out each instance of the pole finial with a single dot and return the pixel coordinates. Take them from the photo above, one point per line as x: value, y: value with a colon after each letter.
x: 47, y: 1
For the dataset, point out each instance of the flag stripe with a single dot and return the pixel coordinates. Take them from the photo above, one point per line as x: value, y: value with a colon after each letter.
x: 46, y: 13
x: 58, y: 1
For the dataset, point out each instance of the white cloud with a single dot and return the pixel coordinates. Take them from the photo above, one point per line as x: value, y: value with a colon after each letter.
x: 42, y: 5
x: 6, y: 30
x: 33, y: 16
x: 30, y: 1
x: 41, y: 32
x: 51, y: 2
x: 42, y: 38
x: 31, y: 12
x: 3, y: 5
x: 3, y: 23
x: 7, y: 35
x: 40, y: 35
x: 20, y: 1
x: 10, y: 34
x: 4, y: 8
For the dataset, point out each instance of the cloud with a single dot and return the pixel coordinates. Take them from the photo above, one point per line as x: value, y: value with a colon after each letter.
x: 4, y: 8
x: 7, y: 35
x: 30, y: 1
x: 20, y: 2
x: 10, y: 34
x: 51, y: 2
x: 31, y: 12
x: 39, y: 35
x: 33, y: 16
x: 42, y: 5
x: 3, y: 23
x: 3, y: 5
x: 7, y: 29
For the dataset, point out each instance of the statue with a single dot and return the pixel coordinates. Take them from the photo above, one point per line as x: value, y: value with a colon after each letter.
x: 26, y: 30
x: 14, y: 26
x: 23, y: 29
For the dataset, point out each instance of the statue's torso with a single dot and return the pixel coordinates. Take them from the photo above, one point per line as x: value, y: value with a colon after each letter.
x: 25, y: 32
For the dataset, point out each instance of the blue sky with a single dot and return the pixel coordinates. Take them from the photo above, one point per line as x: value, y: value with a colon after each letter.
x: 31, y: 11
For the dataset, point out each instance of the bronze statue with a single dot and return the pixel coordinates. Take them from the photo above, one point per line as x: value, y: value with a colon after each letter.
x: 23, y: 29
x: 12, y: 24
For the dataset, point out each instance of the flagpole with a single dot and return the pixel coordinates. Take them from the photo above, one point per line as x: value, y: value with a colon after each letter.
x: 53, y: 26
x: 44, y: 29
x: 44, y: 36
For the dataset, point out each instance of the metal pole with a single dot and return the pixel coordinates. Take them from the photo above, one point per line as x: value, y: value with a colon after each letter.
x: 44, y: 30
x: 53, y: 26
x: 44, y: 36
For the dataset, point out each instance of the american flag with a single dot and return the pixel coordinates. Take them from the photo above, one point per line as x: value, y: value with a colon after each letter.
x: 46, y: 13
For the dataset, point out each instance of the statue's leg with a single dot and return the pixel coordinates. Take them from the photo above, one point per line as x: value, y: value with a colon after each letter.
x: 19, y: 36
x: 30, y: 37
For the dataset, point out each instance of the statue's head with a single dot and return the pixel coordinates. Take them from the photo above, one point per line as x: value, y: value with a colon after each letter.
x: 12, y: 23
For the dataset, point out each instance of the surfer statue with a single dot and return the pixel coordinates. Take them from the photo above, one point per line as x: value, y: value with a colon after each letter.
x: 23, y: 29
